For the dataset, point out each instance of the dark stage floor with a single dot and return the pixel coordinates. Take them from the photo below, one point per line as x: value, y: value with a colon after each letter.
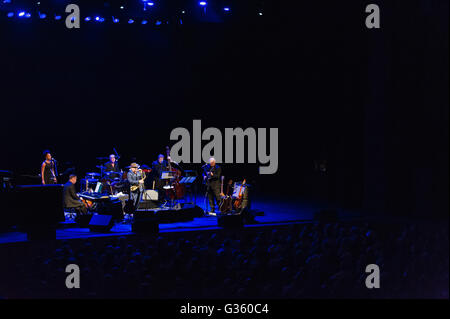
x: 275, y: 212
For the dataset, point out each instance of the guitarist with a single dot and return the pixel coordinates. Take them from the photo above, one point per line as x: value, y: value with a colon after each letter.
x: 136, y: 179
x: 211, y: 177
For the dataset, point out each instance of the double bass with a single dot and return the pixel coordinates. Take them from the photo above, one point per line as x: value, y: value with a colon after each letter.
x: 178, y: 191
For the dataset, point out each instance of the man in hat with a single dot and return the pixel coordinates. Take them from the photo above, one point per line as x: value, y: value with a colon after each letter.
x: 136, y: 179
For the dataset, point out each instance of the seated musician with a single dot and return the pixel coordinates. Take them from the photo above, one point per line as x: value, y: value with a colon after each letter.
x: 112, y: 165
x: 71, y: 199
x: 211, y: 177
x: 158, y: 167
x: 136, y: 179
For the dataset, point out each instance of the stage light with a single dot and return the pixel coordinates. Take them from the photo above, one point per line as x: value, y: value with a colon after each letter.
x: 21, y: 13
x: 42, y: 15
x: 6, y: 1
x: 87, y: 19
x: 102, y: 19
x: 121, y: 7
x: 27, y: 15
x: 260, y: 13
x: 97, y: 18
x: 158, y: 22
x: 183, y: 12
x: 150, y: 3
x: 202, y: 3
x: 115, y: 20
x: 226, y: 9
x: 57, y: 17
x: 130, y: 21
x: 144, y: 21
x: 10, y: 14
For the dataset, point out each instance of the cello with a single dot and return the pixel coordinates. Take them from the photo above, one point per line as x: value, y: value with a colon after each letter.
x: 178, y: 191
x: 239, y: 199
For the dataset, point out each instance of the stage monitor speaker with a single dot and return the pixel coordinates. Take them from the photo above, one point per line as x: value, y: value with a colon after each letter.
x: 146, y: 223
x: 147, y: 204
x: 230, y: 221
x: 101, y: 223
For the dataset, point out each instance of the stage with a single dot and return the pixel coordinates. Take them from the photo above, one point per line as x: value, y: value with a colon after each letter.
x: 269, y: 213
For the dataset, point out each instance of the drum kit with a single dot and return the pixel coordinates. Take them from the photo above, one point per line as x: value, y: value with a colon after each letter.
x: 109, y: 182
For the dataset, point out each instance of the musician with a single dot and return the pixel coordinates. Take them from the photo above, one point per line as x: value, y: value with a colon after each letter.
x: 211, y: 177
x: 112, y: 165
x: 71, y: 199
x: 136, y: 177
x: 158, y: 167
x: 48, y: 169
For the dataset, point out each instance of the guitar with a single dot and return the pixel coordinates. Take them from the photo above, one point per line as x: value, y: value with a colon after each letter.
x: 226, y: 204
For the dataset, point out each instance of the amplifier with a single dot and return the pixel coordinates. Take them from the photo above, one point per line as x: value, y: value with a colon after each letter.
x: 150, y: 194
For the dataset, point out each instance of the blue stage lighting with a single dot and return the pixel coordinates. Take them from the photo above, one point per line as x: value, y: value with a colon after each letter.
x: 42, y: 15
x: 144, y: 21
x: 6, y: 1
x: 121, y: 7
x: 87, y: 19
x: 102, y: 19
x: 130, y: 21
x: 158, y: 22
x: 151, y: 3
x: 226, y: 9
x: 10, y: 14
x: 97, y: 18
x: 202, y: 3
x: 27, y: 15
x: 115, y: 20
x: 21, y: 13
x: 57, y: 17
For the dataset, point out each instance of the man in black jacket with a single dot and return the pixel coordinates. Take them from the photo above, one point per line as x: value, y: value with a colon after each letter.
x: 112, y: 166
x: 71, y: 199
x: 211, y: 177
x: 159, y: 166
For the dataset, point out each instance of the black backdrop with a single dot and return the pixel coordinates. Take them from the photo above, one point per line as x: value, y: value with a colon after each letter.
x: 374, y: 103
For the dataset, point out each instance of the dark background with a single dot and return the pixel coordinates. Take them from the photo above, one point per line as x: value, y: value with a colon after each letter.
x: 373, y: 103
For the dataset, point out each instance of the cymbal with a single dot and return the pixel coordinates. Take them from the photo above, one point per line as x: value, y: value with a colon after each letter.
x: 92, y: 174
x: 100, y: 166
x: 112, y: 173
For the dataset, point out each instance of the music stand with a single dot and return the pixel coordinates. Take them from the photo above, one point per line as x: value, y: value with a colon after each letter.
x: 167, y: 175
